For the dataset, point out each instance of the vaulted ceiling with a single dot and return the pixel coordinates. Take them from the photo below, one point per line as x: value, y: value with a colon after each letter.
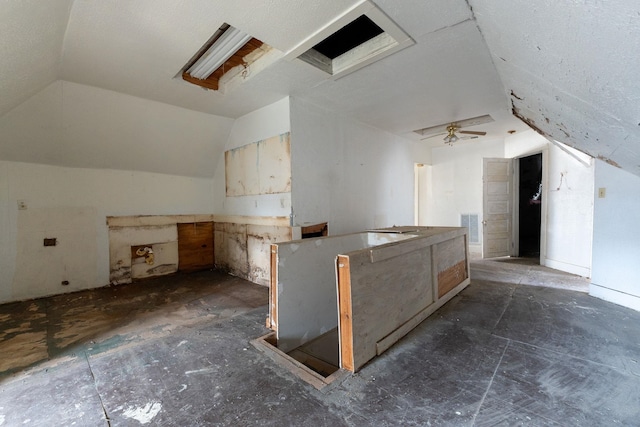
x: 569, y: 69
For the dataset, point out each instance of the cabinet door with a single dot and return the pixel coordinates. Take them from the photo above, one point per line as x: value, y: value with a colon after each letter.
x: 195, y: 246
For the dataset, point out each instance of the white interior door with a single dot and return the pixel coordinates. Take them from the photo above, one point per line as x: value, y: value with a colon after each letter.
x: 497, y: 201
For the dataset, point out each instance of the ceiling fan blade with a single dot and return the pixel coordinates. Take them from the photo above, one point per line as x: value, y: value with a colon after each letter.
x: 472, y: 132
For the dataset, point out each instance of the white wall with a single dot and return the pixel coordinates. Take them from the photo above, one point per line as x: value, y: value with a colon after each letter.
x: 68, y: 124
x: 616, y: 237
x: 457, y: 183
x: 71, y: 204
x: 568, y: 179
x: 351, y: 175
x: 457, y: 189
x: 258, y: 125
x: 570, y: 212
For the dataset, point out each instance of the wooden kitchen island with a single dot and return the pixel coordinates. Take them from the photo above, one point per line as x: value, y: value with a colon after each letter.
x: 342, y: 300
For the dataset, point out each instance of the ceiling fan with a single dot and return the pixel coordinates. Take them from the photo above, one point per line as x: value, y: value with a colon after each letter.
x: 450, y: 129
x: 451, y: 136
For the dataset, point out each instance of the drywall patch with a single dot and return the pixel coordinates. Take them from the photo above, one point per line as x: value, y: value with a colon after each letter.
x: 263, y: 167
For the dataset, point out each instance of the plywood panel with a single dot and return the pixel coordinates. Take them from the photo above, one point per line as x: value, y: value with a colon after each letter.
x: 195, y: 246
x: 274, y: 165
x: 263, y: 167
x: 451, y: 277
x: 450, y: 252
x: 385, y: 295
x: 393, y: 288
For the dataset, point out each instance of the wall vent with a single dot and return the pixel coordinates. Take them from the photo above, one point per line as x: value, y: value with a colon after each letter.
x: 471, y: 222
x: 358, y: 38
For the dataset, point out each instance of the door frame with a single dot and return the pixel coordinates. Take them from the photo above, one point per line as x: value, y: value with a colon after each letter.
x: 515, y: 222
x: 544, y: 206
x: 422, y: 193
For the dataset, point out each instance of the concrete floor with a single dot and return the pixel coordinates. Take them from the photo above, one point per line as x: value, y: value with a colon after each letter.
x: 175, y: 351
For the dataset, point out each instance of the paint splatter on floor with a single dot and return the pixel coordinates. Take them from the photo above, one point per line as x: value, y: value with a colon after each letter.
x: 145, y: 414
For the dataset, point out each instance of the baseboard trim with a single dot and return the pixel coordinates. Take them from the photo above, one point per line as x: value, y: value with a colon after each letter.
x: 616, y: 297
x: 568, y: 268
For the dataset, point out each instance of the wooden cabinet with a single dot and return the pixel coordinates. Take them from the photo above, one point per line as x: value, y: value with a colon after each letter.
x: 195, y: 246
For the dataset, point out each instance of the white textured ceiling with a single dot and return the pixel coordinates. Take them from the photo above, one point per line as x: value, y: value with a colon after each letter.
x: 31, y: 37
x: 569, y: 68
x: 572, y: 70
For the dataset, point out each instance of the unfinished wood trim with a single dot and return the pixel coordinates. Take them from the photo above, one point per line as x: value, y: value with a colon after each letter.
x: 276, y: 221
x: 451, y: 277
x: 295, y: 367
x: 206, y: 83
x: 156, y: 220
x: 273, y: 290
x: 345, y: 325
x: 310, y: 361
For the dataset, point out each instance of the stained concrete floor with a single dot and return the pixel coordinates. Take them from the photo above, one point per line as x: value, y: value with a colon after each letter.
x: 175, y: 352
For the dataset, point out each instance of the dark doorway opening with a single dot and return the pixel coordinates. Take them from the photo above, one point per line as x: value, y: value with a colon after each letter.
x: 530, y: 206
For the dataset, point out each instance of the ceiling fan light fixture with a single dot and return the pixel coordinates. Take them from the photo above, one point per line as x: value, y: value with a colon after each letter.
x: 450, y: 139
x: 451, y: 134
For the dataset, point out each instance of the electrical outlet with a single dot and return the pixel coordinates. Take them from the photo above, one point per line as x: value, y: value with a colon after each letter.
x: 602, y: 192
x: 22, y: 205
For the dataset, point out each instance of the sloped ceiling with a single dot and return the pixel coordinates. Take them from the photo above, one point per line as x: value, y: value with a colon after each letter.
x: 568, y: 68
x: 571, y: 70
x: 30, y: 47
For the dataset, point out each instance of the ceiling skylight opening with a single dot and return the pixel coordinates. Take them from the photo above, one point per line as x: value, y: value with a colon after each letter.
x: 358, y: 38
x: 350, y: 36
x: 228, y: 51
